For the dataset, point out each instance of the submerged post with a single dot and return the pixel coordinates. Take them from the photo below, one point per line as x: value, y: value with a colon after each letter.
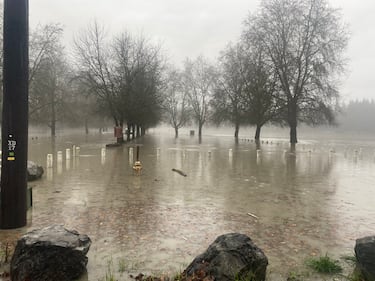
x: 15, y: 115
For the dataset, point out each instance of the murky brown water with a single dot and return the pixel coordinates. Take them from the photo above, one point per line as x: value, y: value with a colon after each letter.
x: 308, y: 204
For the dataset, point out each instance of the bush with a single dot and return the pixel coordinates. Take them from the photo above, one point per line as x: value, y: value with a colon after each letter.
x: 325, y: 265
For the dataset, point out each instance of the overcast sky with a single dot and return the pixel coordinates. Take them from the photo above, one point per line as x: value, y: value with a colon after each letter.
x: 188, y: 28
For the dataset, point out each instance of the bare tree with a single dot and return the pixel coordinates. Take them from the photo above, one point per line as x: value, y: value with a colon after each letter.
x: 124, y: 74
x: 199, y: 77
x: 139, y: 68
x: 175, y: 102
x: 229, y: 89
x: 49, y: 91
x: 96, y: 69
x: 304, y: 42
x: 259, y: 99
x: 48, y: 75
x: 44, y: 42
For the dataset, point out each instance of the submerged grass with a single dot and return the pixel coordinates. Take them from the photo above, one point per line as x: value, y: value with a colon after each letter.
x: 325, y: 264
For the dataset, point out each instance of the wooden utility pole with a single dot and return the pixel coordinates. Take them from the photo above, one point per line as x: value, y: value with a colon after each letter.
x: 15, y: 115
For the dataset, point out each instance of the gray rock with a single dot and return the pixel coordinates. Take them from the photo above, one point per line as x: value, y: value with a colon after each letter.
x: 52, y: 253
x: 229, y: 256
x: 34, y: 171
x: 365, y: 253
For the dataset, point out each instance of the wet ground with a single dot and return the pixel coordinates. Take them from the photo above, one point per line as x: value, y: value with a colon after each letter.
x: 293, y: 206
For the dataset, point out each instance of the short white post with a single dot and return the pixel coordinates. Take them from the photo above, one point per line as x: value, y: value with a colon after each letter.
x: 49, y: 160
x: 258, y: 153
x: 74, y: 151
x: 59, y: 156
x: 67, y: 154
x: 102, y: 159
x: 230, y: 153
x: 78, y: 151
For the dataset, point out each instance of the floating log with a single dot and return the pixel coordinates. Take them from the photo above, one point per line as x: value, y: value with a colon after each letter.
x: 179, y: 172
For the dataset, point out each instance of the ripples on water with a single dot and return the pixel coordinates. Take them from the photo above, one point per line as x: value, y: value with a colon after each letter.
x: 294, y: 206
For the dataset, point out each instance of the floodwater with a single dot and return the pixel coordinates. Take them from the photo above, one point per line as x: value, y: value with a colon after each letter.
x: 293, y: 205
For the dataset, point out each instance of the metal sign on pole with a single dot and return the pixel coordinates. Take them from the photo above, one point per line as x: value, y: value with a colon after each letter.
x: 15, y: 115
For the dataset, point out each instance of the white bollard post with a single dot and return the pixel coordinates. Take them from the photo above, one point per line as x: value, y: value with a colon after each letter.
x: 78, y: 151
x: 49, y: 160
x: 74, y: 151
x: 67, y: 154
x: 230, y: 153
x: 59, y: 156
x: 102, y: 159
x: 258, y: 153
x: 209, y: 154
x: 258, y: 156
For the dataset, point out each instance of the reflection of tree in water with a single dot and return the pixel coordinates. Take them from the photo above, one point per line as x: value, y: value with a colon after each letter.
x: 162, y: 219
x: 287, y: 192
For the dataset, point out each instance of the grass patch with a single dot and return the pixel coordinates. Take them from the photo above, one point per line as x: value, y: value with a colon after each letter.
x: 122, y: 266
x: 325, y: 264
x: 109, y: 275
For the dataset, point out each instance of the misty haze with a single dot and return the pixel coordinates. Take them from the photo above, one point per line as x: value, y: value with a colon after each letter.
x: 155, y: 129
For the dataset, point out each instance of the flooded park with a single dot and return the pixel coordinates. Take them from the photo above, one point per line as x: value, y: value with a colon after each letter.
x: 294, y: 206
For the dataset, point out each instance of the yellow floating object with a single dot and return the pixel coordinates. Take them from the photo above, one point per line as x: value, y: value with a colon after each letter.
x: 137, y: 167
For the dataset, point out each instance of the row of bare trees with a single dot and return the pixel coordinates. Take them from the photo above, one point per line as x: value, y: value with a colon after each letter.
x: 125, y: 75
x: 284, y: 70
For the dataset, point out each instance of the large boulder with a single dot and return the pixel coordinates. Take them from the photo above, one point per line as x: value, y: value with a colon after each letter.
x: 365, y: 253
x: 34, y: 171
x: 51, y: 253
x: 230, y: 257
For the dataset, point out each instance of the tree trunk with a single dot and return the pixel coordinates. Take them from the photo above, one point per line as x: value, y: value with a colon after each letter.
x: 53, y: 118
x: 128, y: 131
x: 133, y: 131
x: 292, y: 112
x: 257, y: 133
x: 138, y: 131
x: 236, y: 130
x: 86, y: 126
x: 176, y: 132
x: 200, y: 125
x: 293, y: 133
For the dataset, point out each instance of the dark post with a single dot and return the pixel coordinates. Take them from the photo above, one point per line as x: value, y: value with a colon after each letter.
x: 15, y: 115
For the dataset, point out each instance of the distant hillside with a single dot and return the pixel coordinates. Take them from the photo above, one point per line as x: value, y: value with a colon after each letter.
x: 358, y: 116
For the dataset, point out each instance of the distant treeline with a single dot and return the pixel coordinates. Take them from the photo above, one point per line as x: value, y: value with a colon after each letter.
x: 358, y: 115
